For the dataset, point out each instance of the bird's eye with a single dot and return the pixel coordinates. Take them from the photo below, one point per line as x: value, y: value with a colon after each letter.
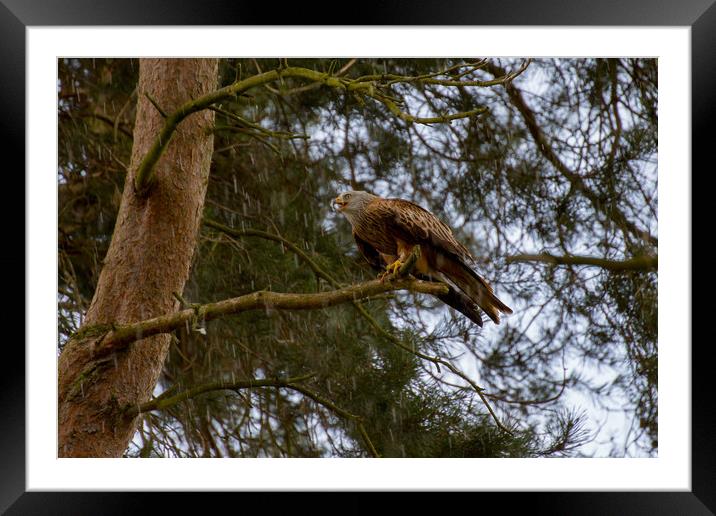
x: 346, y: 196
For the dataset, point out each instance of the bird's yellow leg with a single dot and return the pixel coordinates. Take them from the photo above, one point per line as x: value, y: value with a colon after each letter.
x: 390, y: 269
x: 394, y: 267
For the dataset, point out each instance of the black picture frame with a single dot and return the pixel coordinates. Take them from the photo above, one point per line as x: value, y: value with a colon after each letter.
x: 16, y: 15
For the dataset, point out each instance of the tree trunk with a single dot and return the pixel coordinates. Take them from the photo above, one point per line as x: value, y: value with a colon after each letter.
x: 148, y: 259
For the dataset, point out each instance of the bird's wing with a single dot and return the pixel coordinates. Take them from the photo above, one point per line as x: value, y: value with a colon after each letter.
x: 423, y: 226
x: 397, y: 219
x: 448, y: 256
x: 370, y: 253
x: 453, y: 298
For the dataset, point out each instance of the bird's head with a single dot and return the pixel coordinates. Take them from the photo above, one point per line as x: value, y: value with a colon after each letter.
x: 351, y: 202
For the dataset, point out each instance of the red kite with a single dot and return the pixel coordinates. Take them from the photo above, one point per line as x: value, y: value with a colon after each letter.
x: 386, y: 230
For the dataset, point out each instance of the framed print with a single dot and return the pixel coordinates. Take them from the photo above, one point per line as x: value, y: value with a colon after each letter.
x: 511, y: 205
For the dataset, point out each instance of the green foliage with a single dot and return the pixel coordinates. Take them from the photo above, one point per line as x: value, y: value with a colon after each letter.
x: 95, y: 112
x: 581, y: 330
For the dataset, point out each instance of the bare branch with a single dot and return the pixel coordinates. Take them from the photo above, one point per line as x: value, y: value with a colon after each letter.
x: 639, y: 263
x: 120, y: 336
x: 576, y: 181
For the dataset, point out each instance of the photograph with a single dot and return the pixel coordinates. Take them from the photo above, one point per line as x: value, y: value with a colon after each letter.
x: 357, y: 257
x: 417, y: 253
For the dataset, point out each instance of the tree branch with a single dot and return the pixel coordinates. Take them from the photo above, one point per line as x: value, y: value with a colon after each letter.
x: 575, y: 180
x: 639, y: 263
x: 393, y: 107
x: 145, y: 172
x: 121, y: 336
x: 169, y: 400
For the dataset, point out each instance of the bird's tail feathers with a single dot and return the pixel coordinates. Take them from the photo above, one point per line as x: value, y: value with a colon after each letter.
x: 462, y: 304
x: 455, y: 298
x: 476, y: 288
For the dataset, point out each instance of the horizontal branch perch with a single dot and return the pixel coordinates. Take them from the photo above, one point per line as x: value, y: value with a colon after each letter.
x: 639, y: 263
x: 123, y: 335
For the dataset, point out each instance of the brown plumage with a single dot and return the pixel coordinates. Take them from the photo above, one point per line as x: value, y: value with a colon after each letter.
x: 386, y: 230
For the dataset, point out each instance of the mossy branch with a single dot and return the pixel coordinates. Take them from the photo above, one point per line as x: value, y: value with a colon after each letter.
x: 123, y: 335
x: 145, y: 172
x: 442, y: 119
x: 362, y: 87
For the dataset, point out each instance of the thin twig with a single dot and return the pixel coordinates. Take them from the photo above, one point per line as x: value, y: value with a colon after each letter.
x: 156, y: 105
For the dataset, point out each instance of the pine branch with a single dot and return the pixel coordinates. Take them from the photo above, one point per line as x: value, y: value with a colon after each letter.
x: 120, y: 336
x: 167, y: 401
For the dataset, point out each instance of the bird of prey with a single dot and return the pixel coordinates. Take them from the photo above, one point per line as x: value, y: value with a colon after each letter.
x: 387, y: 230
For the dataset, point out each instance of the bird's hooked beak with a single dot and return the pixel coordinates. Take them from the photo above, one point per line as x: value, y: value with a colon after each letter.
x: 339, y: 203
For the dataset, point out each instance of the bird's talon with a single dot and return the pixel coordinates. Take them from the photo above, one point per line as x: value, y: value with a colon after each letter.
x: 394, y: 267
x: 390, y: 270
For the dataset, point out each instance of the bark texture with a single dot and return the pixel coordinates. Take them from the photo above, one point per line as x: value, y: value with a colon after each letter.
x: 148, y: 259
